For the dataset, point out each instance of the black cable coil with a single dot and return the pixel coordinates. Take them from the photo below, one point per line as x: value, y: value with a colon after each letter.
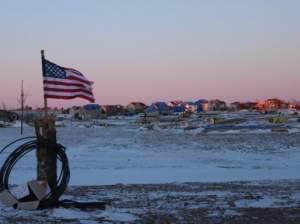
x: 20, y: 152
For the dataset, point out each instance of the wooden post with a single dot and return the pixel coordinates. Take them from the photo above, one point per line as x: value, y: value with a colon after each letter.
x: 46, y: 152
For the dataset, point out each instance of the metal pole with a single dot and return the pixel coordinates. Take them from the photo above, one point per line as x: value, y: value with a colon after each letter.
x: 22, y: 107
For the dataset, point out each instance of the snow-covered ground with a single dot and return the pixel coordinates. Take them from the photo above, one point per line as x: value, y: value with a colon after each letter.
x: 120, y: 154
x: 158, y: 163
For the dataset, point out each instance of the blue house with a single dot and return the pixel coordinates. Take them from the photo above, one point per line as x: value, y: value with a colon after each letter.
x: 179, y: 108
x: 160, y: 107
x: 92, y: 107
x: 200, y: 105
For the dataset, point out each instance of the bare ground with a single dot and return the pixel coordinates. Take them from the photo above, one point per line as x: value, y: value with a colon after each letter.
x: 235, y: 202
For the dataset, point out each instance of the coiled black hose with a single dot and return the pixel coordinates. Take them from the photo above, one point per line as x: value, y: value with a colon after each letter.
x: 20, y: 152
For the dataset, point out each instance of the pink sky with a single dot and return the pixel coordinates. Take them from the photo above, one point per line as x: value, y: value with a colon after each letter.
x: 155, y: 51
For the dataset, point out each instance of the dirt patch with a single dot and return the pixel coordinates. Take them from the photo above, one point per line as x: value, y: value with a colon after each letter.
x: 235, y: 202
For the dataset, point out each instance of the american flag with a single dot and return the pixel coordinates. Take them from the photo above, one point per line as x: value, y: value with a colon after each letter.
x: 65, y: 83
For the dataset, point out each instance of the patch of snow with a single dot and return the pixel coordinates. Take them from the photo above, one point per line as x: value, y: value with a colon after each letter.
x: 220, y: 213
x: 17, y: 124
x: 197, y: 131
x: 220, y: 194
x: 125, y: 155
x: 260, y: 131
x: 265, y: 202
x: 296, y: 196
x: 294, y: 130
x: 117, y: 215
x: 69, y: 214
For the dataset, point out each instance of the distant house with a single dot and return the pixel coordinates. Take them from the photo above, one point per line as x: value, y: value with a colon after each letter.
x: 243, y: 106
x: 66, y: 111
x: 200, y: 104
x: 235, y: 106
x: 179, y: 108
x: 152, y: 110
x: 113, y: 110
x: 92, y: 111
x: 272, y: 104
x: 74, y: 108
x: 136, y: 107
x: 248, y: 106
x: 217, y: 105
x: 89, y: 111
x: 294, y: 105
x: 183, y: 107
x: 173, y: 104
x: 77, y: 112
x: 92, y: 107
x: 159, y: 107
x: 190, y: 107
x: 176, y: 106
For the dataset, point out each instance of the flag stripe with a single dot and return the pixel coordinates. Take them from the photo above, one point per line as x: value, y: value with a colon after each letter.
x: 66, y: 82
x: 69, y: 72
x: 58, y: 86
x: 78, y: 79
x: 55, y: 93
x: 67, y: 90
x: 70, y: 97
x: 74, y: 71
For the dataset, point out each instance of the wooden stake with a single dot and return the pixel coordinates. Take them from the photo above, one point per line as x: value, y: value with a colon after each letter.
x: 46, y: 152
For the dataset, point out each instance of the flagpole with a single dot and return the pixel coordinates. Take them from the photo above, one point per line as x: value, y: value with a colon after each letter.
x: 22, y: 107
x: 43, y: 70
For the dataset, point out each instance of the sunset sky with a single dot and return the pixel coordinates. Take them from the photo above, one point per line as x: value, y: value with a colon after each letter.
x: 154, y: 50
